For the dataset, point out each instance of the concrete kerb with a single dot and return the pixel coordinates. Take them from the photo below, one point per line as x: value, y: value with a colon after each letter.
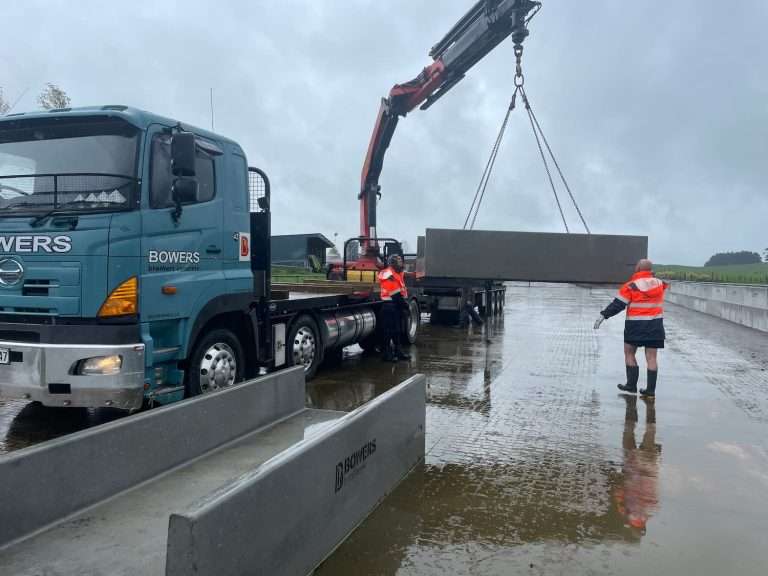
x: 742, y: 304
x: 298, y: 507
x: 46, y: 483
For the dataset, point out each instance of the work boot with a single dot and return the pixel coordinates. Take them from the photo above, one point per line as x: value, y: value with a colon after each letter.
x: 388, y: 355
x: 650, y: 389
x: 401, y: 355
x: 633, y: 374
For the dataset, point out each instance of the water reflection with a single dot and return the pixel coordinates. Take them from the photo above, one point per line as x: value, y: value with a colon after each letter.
x: 454, y: 360
x: 637, y: 497
x: 35, y: 423
x: 505, y: 496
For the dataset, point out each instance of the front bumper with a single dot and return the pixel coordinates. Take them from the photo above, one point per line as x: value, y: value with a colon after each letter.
x: 44, y: 372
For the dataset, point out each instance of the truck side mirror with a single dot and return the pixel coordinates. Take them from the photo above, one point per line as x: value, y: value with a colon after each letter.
x: 184, y: 191
x: 183, y: 154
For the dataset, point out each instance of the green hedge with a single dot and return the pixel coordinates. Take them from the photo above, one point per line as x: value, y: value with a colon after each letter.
x: 737, y: 274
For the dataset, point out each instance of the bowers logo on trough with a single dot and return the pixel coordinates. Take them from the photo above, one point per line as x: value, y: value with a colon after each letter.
x: 33, y: 244
x: 353, y: 463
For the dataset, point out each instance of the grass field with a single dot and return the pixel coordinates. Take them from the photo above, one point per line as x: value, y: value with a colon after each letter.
x: 292, y: 275
x: 737, y: 274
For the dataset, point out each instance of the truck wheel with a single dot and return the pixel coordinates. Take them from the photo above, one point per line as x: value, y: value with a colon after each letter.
x: 411, y: 322
x: 216, y: 363
x: 304, y: 346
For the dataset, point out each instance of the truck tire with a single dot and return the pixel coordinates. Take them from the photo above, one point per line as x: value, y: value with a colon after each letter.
x: 411, y: 322
x: 305, y: 348
x: 216, y: 362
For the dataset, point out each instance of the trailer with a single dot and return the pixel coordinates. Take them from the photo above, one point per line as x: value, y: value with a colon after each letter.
x: 448, y: 300
x: 135, y: 266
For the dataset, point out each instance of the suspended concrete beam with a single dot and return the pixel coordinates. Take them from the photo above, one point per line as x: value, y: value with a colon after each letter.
x: 531, y: 256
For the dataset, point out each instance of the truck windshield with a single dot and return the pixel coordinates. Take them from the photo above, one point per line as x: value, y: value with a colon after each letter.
x: 72, y: 165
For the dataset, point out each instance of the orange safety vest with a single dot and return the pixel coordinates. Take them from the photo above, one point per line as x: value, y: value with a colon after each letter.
x: 643, y: 296
x: 392, y: 283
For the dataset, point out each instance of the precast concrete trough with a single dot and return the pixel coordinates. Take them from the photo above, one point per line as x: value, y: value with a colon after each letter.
x: 245, y: 481
x: 530, y: 256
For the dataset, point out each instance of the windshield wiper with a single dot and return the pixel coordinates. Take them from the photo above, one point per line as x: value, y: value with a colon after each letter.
x: 38, y: 220
x: 13, y: 189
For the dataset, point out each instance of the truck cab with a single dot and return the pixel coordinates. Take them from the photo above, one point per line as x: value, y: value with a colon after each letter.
x: 125, y: 238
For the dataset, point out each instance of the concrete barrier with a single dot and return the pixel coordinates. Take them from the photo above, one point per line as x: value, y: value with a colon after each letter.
x: 532, y: 256
x: 288, y: 515
x: 48, y: 482
x: 743, y: 304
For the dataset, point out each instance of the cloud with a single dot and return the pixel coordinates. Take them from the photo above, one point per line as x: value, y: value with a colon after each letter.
x: 657, y: 113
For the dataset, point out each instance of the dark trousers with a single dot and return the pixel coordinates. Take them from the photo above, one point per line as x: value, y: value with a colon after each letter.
x: 390, y: 317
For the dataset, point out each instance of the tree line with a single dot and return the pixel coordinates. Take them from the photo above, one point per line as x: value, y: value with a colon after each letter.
x: 51, y: 97
x: 732, y: 258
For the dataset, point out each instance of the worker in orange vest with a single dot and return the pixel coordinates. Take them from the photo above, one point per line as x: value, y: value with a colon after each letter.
x: 643, y: 298
x: 394, y: 295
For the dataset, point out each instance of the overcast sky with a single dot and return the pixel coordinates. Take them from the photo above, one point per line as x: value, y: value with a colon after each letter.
x: 657, y: 111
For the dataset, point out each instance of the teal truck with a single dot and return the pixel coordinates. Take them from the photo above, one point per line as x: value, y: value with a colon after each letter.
x: 135, y: 265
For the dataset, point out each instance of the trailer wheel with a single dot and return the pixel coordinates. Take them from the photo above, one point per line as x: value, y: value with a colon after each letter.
x: 304, y: 346
x: 411, y: 322
x: 216, y: 363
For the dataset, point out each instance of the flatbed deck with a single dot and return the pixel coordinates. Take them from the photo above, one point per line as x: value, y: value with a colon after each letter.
x: 294, y: 297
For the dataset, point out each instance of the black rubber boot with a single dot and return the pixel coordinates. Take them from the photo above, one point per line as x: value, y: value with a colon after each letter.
x: 388, y: 355
x: 650, y: 389
x: 399, y: 354
x: 633, y: 374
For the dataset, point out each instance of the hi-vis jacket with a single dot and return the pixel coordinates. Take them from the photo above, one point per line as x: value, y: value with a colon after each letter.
x: 643, y: 297
x: 391, y: 283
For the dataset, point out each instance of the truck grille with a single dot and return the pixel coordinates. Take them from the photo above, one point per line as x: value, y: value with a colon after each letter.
x: 30, y: 311
x: 38, y: 287
x: 48, y: 290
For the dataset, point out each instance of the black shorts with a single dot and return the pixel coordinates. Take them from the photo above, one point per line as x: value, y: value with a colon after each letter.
x: 647, y: 344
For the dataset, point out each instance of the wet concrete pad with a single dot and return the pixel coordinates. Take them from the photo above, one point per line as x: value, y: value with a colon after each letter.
x: 537, y: 465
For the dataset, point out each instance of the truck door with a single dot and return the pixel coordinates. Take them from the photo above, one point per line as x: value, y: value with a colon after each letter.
x: 182, y: 257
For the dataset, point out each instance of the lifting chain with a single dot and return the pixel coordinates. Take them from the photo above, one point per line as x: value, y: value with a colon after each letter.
x: 519, y: 78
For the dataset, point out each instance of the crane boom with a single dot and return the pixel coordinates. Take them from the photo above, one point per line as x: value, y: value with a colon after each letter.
x: 484, y: 27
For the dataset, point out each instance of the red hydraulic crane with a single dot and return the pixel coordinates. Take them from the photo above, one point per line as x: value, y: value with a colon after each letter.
x: 484, y: 27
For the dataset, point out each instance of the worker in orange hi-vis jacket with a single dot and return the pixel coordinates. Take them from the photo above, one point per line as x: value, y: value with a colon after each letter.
x: 394, y: 295
x: 643, y: 298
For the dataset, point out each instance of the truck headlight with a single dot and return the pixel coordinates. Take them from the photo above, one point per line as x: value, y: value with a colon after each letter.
x: 100, y: 366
